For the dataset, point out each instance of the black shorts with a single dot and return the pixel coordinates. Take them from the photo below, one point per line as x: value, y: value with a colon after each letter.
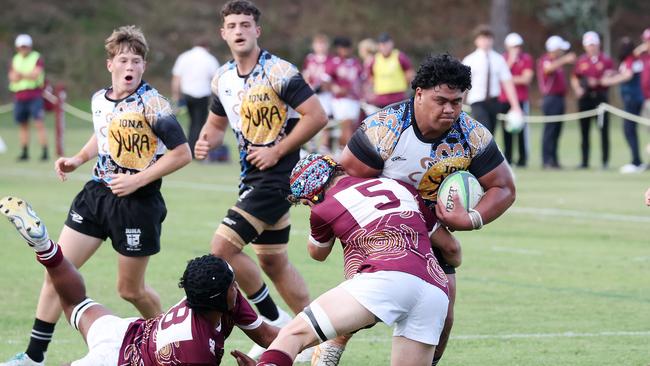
x: 266, y: 202
x: 133, y: 222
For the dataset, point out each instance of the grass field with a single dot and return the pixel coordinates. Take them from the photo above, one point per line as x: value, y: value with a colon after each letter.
x: 563, y: 278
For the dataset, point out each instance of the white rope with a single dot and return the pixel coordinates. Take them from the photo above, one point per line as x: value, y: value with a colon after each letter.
x: 598, y: 111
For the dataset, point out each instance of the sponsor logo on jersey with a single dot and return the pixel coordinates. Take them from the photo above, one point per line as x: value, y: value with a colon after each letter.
x: 396, y: 158
x: 228, y: 221
x: 263, y: 115
x: 132, y: 239
x: 76, y: 217
x: 212, y: 344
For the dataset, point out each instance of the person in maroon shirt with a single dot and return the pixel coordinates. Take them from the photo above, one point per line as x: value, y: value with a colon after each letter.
x: 553, y: 86
x: 643, y: 52
x: 521, y: 68
x: 192, y: 332
x: 585, y: 80
x: 392, y: 274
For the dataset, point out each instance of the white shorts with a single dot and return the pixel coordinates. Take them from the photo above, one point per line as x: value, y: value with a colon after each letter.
x: 325, y: 99
x: 104, y: 340
x: 417, y: 308
x: 346, y: 109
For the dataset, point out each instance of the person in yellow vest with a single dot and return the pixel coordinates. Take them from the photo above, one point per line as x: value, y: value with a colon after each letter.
x: 26, y: 80
x: 391, y: 73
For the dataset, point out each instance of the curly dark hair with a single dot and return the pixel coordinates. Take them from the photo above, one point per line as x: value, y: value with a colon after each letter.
x: 442, y: 69
x: 241, y: 7
x: 206, y: 281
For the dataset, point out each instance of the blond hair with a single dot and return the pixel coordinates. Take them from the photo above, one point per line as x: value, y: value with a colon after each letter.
x: 367, y: 48
x: 126, y: 38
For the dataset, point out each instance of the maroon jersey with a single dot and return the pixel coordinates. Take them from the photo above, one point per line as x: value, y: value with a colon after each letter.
x: 183, y: 337
x: 346, y: 77
x: 553, y: 83
x: 383, y: 225
x: 314, y: 70
x: 523, y: 62
x: 593, y: 67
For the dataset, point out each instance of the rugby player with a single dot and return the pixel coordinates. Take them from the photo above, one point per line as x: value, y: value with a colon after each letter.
x: 392, y: 274
x: 422, y: 140
x: 192, y: 332
x: 272, y: 112
x: 137, y: 140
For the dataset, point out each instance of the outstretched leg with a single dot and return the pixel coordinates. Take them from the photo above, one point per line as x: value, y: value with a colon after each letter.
x: 80, y: 311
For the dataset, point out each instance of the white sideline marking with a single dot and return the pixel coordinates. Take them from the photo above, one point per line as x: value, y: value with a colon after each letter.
x: 170, y: 182
x: 467, y: 337
x: 516, y: 251
x: 555, y: 212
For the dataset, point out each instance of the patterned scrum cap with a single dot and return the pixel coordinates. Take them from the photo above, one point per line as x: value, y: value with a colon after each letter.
x: 310, y: 176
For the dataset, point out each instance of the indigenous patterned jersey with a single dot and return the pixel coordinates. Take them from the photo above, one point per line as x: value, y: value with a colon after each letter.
x: 260, y: 109
x: 382, y: 226
x: 183, y: 337
x: 346, y: 77
x: 390, y: 141
x: 314, y: 70
x: 129, y: 138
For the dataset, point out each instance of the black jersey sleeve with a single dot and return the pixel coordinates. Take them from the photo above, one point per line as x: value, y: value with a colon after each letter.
x: 170, y: 131
x: 488, y: 159
x: 296, y: 91
x: 216, y: 107
x: 364, y: 150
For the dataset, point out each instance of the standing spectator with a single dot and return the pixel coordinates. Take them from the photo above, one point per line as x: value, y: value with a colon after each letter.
x: 643, y: 52
x: 585, y: 80
x: 629, y: 77
x: 367, y: 49
x: 314, y: 70
x: 345, y: 72
x: 26, y: 81
x: 521, y: 68
x: 391, y: 73
x: 272, y: 112
x: 191, y: 77
x: 489, y: 72
x: 553, y: 86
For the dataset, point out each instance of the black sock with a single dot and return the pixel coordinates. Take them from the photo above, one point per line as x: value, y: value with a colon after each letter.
x: 435, y: 361
x: 41, y: 337
x: 45, y: 155
x: 264, y: 303
x: 25, y: 153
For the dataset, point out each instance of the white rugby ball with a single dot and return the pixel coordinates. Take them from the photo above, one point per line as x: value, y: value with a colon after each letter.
x: 465, y: 185
x: 514, y: 121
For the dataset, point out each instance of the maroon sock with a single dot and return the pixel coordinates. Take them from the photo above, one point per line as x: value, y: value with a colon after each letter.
x: 51, y: 257
x: 275, y: 357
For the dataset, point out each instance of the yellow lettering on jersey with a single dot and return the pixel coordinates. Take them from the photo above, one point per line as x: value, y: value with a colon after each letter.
x: 434, y: 176
x: 132, y: 144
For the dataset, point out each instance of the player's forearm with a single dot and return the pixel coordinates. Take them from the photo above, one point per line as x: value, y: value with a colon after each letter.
x: 214, y: 130
x: 495, y: 202
x: 449, y: 246
x: 173, y: 160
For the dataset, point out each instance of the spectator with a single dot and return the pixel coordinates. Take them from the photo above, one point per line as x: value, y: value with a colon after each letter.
x: 367, y: 49
x: 314, y: 70
x: 345, y: 73
x: 26, y: 81
x: 489, y: 72
x: 191, y: 77
x: 629, y: 77
x: 391, y: 72
x: 553, y: 86
x: 521, y: 68
x: 585, y: 80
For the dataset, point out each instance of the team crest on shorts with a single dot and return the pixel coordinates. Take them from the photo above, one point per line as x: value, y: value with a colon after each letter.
x: 133, y: 239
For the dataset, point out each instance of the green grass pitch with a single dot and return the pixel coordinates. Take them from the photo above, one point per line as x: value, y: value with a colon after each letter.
x: 563, y: 278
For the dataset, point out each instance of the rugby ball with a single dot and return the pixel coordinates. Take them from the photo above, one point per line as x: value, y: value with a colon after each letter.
x: 514, y: 122
x: 465, y: 185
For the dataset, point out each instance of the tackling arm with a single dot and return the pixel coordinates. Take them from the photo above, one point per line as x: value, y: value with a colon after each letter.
x: 355, y: 167
x: 449, y: 246
x: 262, y: 335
